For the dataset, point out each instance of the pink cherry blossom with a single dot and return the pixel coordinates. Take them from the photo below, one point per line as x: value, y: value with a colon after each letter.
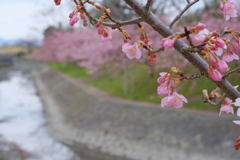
x: 176, y: 100
x: 236, y: 122
x: 237, y: 39
x: 165, y: 78
x: 212, y: 60
x: 230, y: 56
x: 237, y: 103
x: 199, y: 27
x: 57, y: 2
x: 236, y: 48
x: 227, y: 109
x: 219, y: 51
x: 228, y: 9
x: 200, y: 36
x: 73, y: 18
x: 222, y: 65
x: 168, y: 43
x: 220, y: 43
x: 152, y: 61
x: 132, y: 51
x: 105, y: 32
x: 214, y: 74
x: 166, y: 82
x: 163, y: 89
x: 227, y: 106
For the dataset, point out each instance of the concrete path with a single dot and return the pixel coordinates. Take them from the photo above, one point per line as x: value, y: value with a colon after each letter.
x: 100, y: 127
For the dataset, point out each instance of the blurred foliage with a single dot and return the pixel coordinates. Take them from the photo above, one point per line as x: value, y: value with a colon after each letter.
x: 20, y: 54
x: 144, y: 87
x: 70, y: 69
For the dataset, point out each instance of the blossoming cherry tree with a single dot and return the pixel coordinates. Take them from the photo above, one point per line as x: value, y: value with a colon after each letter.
x: 209, y: 51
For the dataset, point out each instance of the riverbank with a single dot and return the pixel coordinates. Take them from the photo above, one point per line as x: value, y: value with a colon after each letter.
x: 101, y: 127
x: 23, y: 128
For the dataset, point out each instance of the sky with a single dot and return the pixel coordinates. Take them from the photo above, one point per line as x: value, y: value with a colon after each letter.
x: 27, y: 19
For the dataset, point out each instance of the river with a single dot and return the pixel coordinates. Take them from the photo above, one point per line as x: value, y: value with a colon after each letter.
x: 23, y: 128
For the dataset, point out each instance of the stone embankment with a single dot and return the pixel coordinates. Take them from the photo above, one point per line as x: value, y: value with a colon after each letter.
x: 101, y: 127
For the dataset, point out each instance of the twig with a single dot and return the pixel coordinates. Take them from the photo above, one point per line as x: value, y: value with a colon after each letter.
x: 181, y: 13
x: 123, y: 23
x: 237, y: 70
x: 188, y: 1
x: 153, y: 51
x: 215, y: 104
x: 115, y: 24
x: 192, y: 76
x: 147, y: 7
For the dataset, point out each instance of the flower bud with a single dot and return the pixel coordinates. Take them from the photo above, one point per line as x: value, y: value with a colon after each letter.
x: 205, y: 93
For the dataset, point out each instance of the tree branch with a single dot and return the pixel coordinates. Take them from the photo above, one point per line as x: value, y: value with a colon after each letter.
x: 123, y: 23
x: 192, y: 76
x: 182, y: 12
x: 214, y: 104
x: 115, y: 23
x: 237, y: 70
x: 148, y: 5
x: 153, y: 51
x: 181, y: 47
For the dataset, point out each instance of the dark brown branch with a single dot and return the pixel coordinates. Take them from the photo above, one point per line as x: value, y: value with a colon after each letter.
x: 181, y: 47
x: 153, y: 51
x: 192, y: 76
x: 115, y: 24
x: 237, y: 70
x: 188, y: 1
x: 182, y: 12
x: 148, y: 5
x: 123, y: 23
x: 214, y: 104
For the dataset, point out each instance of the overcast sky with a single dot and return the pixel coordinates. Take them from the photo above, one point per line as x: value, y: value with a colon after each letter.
x: 26, y: 19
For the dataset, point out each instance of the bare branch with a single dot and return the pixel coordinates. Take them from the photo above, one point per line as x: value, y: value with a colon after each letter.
x: 123, y: 23
x: 182, y: 12
x: 237, y: 70
x: 149, y: 2
x: 115, y: 23
x: 215, y: 104
x: 188, y: 1
x: 192, y: 76
x: 153, y: 51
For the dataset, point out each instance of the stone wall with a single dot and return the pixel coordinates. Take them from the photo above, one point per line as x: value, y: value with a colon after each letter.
x: 98, y: 126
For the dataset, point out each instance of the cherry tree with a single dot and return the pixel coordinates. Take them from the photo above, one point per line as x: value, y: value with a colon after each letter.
x: 207, y: 49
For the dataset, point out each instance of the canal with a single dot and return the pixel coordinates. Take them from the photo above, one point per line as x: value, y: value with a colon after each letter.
x: 23, y: 128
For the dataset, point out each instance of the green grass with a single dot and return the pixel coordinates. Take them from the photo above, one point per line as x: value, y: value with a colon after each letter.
x: 70, y: 69
x: 145, y: 87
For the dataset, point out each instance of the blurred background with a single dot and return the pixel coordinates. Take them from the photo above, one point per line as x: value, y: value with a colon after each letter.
x: 36, y: 32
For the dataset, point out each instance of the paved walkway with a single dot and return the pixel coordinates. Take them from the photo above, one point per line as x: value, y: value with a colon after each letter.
x: 99, y: 127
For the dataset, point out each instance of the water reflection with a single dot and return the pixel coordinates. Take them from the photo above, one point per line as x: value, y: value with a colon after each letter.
x: 22, y: 126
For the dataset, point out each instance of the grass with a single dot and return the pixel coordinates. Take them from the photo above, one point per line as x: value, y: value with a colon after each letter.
x: 140, y: 86
x: 70, y: 69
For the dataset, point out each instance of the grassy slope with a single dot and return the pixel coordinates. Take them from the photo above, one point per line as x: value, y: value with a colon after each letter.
x: 144, y: 86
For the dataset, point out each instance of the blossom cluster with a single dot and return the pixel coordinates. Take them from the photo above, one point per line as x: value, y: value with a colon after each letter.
x: 168, y: 86
x: 211, y: 46
x: 213, y: 50
x: 228, y: 9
